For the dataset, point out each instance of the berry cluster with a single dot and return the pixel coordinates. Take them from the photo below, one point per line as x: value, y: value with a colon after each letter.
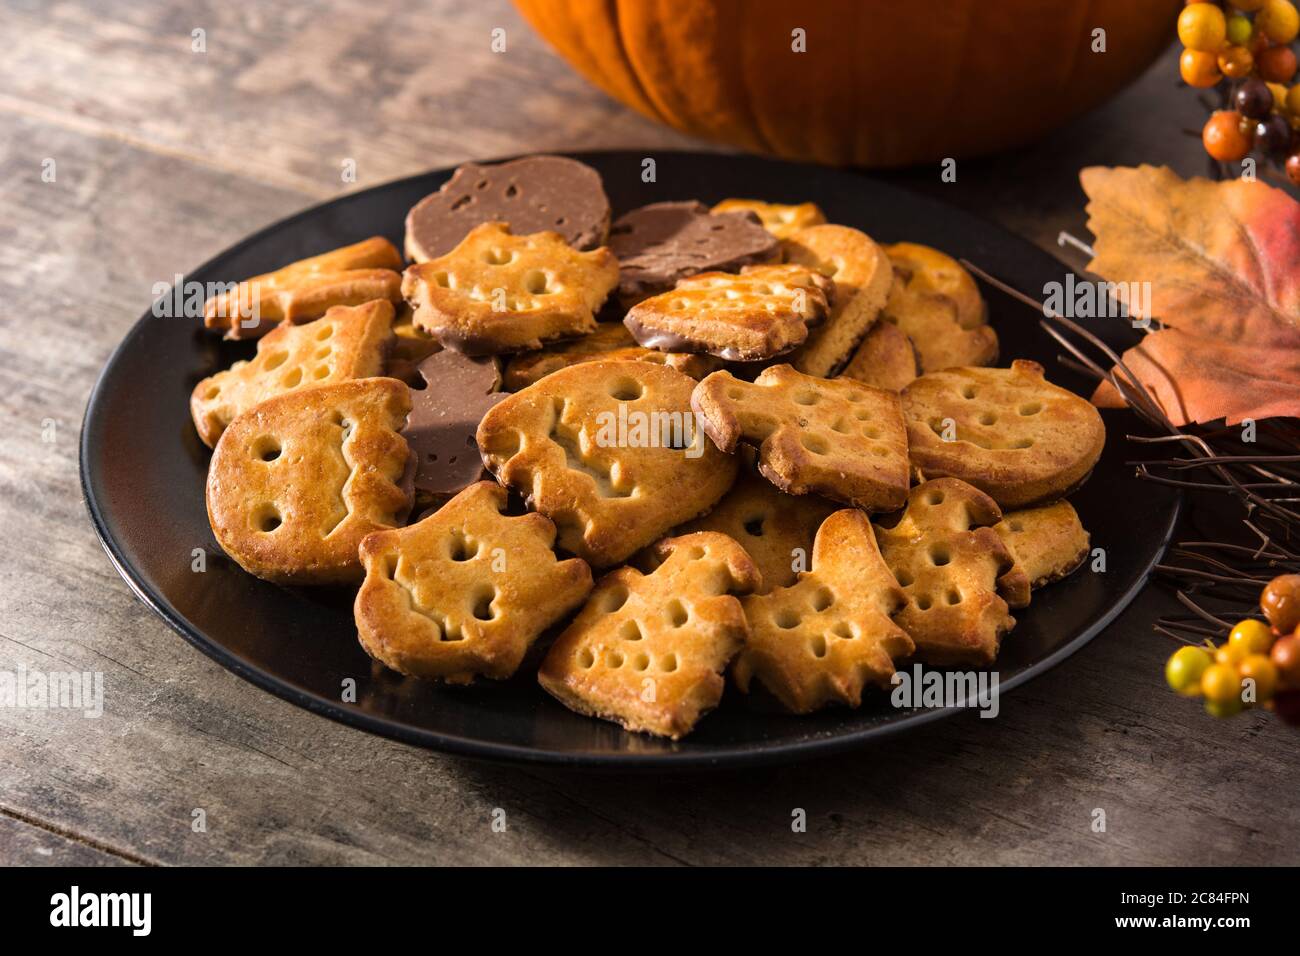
x: 1259, y: 664
x: 1246, y: 44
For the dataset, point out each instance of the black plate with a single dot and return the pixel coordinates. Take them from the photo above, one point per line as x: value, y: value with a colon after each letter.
x: 143, y: 469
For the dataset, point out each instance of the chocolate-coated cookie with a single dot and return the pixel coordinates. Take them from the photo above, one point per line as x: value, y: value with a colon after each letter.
x: 534, y: 194
x: 659, y: 244
x: 444, y: 417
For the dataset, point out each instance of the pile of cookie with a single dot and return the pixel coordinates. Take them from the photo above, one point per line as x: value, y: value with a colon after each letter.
x: 780, y: 446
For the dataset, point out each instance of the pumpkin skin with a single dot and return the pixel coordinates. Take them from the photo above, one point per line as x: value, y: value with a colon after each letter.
x: 883, y: 82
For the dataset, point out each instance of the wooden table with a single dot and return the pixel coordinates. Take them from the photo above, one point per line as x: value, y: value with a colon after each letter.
x: 163, y: 156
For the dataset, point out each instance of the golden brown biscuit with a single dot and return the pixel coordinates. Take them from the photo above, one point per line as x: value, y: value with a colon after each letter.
x: 498, y: 292
x: 777, y: 218
x: 464, y: 592
x: 307, y: 289
x: 610, y: 452
x: 648, y: 651
x: 1048, y: 543
x: 1009, y: 432
x: 611, y: 342
x: 862, y: 275
x: 823, y: 639
x: 349, y: 342
x: 297, y: 481
x: 886, y: 359
x: 411, y: 346
x: 763, y: 312
x: 776, y: 529
x: 937, y: 303
x: 949, y: 562
x: 831, y: 437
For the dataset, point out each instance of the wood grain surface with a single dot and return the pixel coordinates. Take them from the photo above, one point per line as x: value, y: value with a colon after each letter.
x: 162, y: 157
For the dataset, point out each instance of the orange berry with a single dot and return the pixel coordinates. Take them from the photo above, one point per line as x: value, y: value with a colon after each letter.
x: 1263, y: 672
x: 1293, y: 101
x: 1252, y: 636
x: 1278, y: 20
x: 1277, y: 64
x: 1293, y: 168
x: 1224, y: 139
x: 1203, y: 27
x: 1280, y: 602
x: 1235, y: 61
x: 1199, y: 69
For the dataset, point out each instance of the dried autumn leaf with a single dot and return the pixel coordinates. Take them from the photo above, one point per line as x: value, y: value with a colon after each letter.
x: 1223, y: 261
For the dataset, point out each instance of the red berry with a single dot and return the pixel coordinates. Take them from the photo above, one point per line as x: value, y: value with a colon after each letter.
x: 1293, y: 168
x: 1286, y: 655
x: 1273, y: 136
x: 1276, y: 64
x: 1286, y: 704
x: 1254, y: 99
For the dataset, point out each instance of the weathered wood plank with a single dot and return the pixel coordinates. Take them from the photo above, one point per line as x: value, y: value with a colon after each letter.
x: 285, y: 93
x: 24, y: 844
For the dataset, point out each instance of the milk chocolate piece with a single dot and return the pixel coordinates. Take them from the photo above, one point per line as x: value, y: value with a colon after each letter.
x: 444, y: 417
x: 534, y: 194
x: 658, y: 244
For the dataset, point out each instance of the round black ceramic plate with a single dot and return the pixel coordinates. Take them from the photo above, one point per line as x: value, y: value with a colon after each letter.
x: 143, y: 470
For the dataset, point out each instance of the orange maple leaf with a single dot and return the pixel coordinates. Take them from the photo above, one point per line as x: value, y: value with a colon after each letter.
x: 1223, y: 263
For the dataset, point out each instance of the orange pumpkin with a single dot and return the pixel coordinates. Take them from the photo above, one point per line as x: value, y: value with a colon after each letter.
x: 880, y: 83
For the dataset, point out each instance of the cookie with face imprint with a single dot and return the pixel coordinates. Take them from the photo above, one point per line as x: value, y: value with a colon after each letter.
x: 347, y: 342
x: 774, y: 528
x: 955, y: 572
x: 610, y: 452
x: 828, y: 636
x: 826, y: 436
x: 500, y: 292
x: 649, y: 650
x: 780, y: 219
x: 1007, y: 431
x: 298, y: 480
x: 533, y: 194
x: 464, y: 592
x: 763, y: 312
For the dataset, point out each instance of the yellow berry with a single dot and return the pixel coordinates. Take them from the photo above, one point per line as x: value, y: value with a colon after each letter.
x: 1224, y: 708
x: 1221, y: 683
x: 1293, y: 100
x: 1255, y: 636
x: 1185, y: 668
x: 1230, y: 654
x: 1238, y: 31
x: 1202, y: 26
x: 1278, y: 20
x: 1263, y: 672
x: 1279, y: 96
